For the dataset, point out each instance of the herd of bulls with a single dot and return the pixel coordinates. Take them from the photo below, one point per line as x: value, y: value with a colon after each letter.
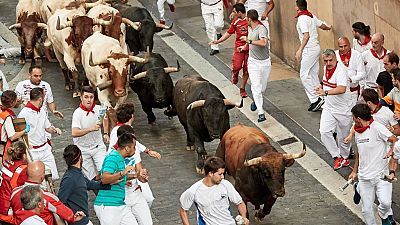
x: 105, y: 41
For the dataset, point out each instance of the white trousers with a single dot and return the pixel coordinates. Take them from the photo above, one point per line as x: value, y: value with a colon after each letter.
x: 115, y: 215
x: 259, y: 71
x: 160, y: 6
x: 341, y: 123
x: 138, y: 206
x: 93, y: 158
x: 353, y: 98
x: 309, y: 69
x: 45, y: 155
x: 367, y: 190
x: 214, y: 19
x: 147, y: 193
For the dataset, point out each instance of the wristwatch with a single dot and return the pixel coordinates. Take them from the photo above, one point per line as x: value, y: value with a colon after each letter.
x: 250, y: 41
x: 326, y: 93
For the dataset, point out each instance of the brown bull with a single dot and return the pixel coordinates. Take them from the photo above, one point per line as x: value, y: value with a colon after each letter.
x: 258, y: 168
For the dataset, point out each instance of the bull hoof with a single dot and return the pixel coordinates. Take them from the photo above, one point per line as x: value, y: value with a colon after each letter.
x: 22, y: 61
x: 200, y: 171
x: 190, y: 148
x: 76, y: 94
x: 257, y: 217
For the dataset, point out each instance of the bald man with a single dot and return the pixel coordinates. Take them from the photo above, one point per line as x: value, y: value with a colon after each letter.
x: 35, y: 173
x: 373, y: 60
x: 354, y: 65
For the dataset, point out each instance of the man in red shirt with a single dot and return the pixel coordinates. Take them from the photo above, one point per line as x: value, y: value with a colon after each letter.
x: 36, y: 173
x: 239, y: 59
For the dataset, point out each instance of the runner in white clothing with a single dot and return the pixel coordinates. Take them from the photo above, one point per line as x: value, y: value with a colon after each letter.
x: 38, y: 121
x: 213, y: 15
x: 352, y: 62
x: 211, y: 196
x: 371, y: 160
x: 336, y: 110
x: 373, y: 60
x: 86, y: 123
x: 309, y: 51
x: 160, y: 6
x: 362, y: 37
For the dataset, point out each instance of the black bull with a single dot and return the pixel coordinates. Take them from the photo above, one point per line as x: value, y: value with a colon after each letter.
x: 258, y: 168
x: 203, y: 111
x: 153, y: 85
x: 141, y: 40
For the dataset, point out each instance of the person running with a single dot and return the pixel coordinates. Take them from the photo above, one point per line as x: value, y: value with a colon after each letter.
x: 160, y: 6
x: 213, y: 15
x: 259, y: 63
x: 240, y: 57
x: 371, y: 160
x: 309, y: 51
x: 336, y: 114
x: 212, y: 196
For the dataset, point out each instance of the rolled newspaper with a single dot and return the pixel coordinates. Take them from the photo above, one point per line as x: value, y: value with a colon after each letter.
x: 102, y: 113
x: 342, y: 188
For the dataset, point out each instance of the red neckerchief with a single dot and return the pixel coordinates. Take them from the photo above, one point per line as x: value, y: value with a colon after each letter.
x: 118, y: 124
x: 9, y: 111
x: 345, y: 58
x: 87, y: 110
x: 378, y: 107
x: 329, y: 73
x: 366, y: 41
x: 304, y: 12
x: 360, y: 130
x: 376, y: 54
x: 33, y: 107
x: 115, y: 146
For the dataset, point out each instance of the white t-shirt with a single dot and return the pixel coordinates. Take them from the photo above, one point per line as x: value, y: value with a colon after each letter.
x: 82, y: 120
x: 4, y: 81
x: 33, y: 220
x: 212, y: 203
x: 307, y: 24
x: 373, y: 66
x: 259, y: 5
x: 339, y: 104
x: 384, y: 116
x: 361, y: 48
x: 356, y: 69
x: 38, y: 122
x: 24, y: 88
x: 372, y: 147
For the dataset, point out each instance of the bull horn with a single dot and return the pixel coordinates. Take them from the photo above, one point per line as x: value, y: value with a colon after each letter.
x: 296, y: 155
x: 42, y: 25
x: 196, y: 104
x: 163, y: 26
x: 230, y: 102
x: 91, y: 5
x: 97, y: 21
x: 170, y: 69
x: 253, y: 162
x: 138, y: 76
x: 64, y: 25
x: 50, y: 10
x: 91, y: 63
x: 104, y: 85
x: 17, y: 25
x: 134, y: 25
x: 137, y: 59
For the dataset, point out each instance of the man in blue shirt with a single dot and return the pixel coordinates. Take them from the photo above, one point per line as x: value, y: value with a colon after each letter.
x: 109, y: 205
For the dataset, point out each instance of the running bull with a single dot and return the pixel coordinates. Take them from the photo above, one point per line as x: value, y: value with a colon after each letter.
x: 141, y: 40
x: 258, y: 168
x: 153, y: 85
x: 203, y: 111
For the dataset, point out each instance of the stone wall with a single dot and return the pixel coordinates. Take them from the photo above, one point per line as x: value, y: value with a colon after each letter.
x: 381, y: 15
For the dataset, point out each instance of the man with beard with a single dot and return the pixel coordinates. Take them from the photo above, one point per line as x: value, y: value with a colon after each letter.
x: 373, y: 60
x: 336, y: 114
x: 211, y: 196
x: 362, y: 37
x: 354, y: 66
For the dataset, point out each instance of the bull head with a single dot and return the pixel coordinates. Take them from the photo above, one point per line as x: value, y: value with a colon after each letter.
x: 258, y: 160
x: 18, y: 25
x: 135, y: 25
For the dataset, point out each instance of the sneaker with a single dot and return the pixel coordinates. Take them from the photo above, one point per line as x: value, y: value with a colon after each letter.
x: 253, y: 106
x: 345, y: 162
x: 171, y: 7
x: 317, y: 105
x: 357, y: 196
x: 337, y: 163
x: 235, y: 79
x: 261, y: 118
x: 243, y: 93
x: 162, y: 21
